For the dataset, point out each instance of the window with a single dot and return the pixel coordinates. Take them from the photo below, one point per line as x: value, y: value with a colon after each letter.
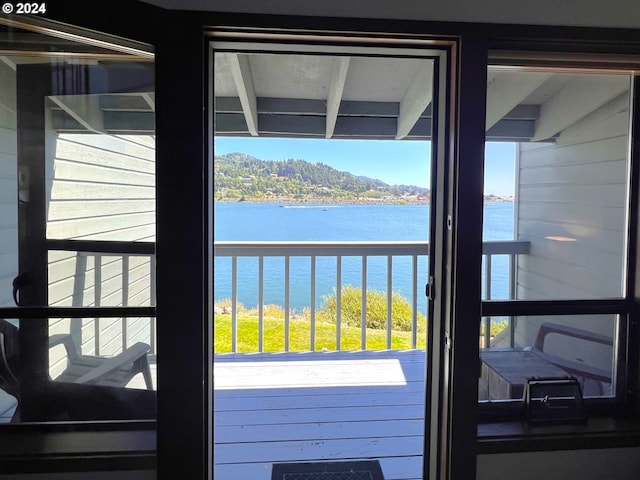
x: 78, y: 229
x: 557, y: 304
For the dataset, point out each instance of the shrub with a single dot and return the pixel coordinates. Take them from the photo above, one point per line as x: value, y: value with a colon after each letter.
x: 376, y: 309
x: 225, y: 304
x: 497, y: 326
x: 273, y: 310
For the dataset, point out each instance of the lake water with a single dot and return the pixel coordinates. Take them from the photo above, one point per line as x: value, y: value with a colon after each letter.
x: 275, y: 222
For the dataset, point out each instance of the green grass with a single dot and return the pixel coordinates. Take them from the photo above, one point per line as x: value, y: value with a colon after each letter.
x: 299, y: 336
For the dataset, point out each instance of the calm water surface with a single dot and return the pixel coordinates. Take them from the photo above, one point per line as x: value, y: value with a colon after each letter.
x: 275, y: 222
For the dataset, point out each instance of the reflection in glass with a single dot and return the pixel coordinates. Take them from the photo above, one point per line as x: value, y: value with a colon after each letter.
x: 548, y: 346
x: 556, y: 175
x: 77, y: 203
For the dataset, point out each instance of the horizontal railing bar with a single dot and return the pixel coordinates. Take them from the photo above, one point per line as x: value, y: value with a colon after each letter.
x: 495, y: 308
x: 293, y: 249
x: 76, y: 312
x: 331, y: 249
x: 505, y: 247
x: 103, y: 246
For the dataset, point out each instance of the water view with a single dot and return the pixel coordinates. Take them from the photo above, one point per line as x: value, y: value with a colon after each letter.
x: 244, y: 221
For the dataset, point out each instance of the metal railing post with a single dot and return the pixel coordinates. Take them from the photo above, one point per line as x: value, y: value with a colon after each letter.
x: 363, y: 313
x: 261, y: 304
x: 287, y: 288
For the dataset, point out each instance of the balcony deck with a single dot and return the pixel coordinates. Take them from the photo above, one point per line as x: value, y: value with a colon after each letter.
x: 318, y: 406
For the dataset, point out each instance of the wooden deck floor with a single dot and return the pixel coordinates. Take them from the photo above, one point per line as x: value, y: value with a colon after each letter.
x: 322, y: 406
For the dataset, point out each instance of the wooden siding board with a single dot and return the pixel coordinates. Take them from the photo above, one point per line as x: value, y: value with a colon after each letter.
x: 85, y: 227
x: 112, y: 144
x: 74, y: 209
x: 609, y: 195
x: 138, y: 330
x: 575, y: 236
x: 606, y: 265
x: 67, y: 190
x: 579, y: 154
x: 9, y: 193
x: 110, y: 336
x: 68, y: 151
x: 82, y: 172
x: 134, y: 234
x: 148, y: 141
x: 88, y: 337
x: 9, y: 240
x: 7, y: 114
x: 565, y: 283
x: 6, y: 299
x: 611, y: 172
x: 8, y: 166
x: 615, y: 126
x: 8, y: 140
x: 606, y: 218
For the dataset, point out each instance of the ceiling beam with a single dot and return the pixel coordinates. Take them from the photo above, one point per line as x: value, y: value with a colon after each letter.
x: 576, y: 100
x: 241, y: 71
x: 338, y: 78
x: 307, y: 106
x: 416, y: 99
x: 84, y: 109
x: 505, y: 90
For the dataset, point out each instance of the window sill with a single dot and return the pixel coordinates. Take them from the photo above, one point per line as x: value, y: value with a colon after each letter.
x: 77, y: 448
x: 518, y: 436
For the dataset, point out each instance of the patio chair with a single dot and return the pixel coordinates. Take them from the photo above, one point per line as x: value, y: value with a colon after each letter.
x: 114, y: 371
x: 586, y: 373
x: 8, y: 386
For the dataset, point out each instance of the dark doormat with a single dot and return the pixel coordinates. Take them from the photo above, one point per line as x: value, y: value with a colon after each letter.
x: 361, y: 470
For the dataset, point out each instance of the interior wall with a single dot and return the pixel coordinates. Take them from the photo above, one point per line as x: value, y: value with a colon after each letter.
x: 618, y: 464
x: 625, y: 13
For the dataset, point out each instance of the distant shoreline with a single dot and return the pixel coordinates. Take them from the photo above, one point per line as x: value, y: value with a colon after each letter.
x: 350, y: 201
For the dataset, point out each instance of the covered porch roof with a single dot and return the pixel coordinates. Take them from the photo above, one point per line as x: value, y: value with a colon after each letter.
x: 311, y: 95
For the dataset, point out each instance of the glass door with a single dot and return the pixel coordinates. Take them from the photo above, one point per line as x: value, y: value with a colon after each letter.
x: 323, y: 195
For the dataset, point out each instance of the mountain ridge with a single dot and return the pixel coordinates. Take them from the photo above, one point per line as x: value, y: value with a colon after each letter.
x: 239, y: 176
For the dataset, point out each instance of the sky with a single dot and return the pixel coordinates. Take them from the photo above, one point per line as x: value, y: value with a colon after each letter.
x: 394, y: 162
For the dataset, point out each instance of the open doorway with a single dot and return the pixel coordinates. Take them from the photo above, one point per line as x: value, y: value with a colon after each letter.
x: 322, y: 193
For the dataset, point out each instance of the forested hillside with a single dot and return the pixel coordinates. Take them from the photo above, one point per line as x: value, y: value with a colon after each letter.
x: 243, y: 177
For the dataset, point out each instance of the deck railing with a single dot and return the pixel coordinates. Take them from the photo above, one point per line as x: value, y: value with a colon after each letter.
x: 111, y: 274
x: 415, y: 251
x: 338, y: 250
